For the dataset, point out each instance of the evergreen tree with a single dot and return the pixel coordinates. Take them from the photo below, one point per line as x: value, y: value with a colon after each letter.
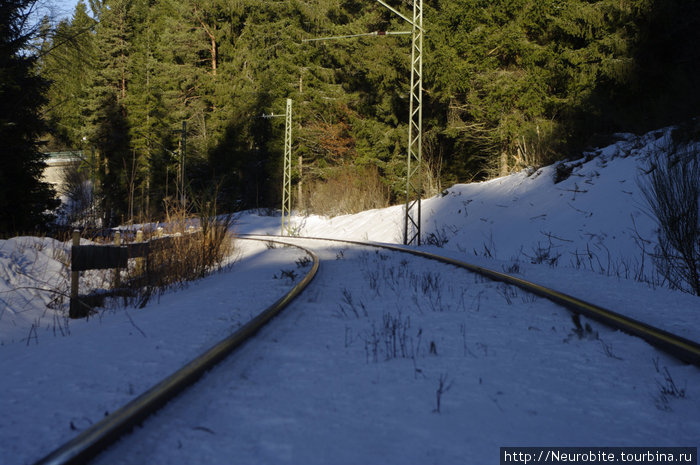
x: 507, y: 84
x: 68, y: 62
x: 24, y: 198
x: 107, y: 97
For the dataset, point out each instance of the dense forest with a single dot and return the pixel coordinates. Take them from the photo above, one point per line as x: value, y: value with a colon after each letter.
x: 507, y: 84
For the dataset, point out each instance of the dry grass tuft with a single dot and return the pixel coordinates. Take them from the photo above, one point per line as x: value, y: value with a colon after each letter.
x: 186, y: 249
x: 348, y: 190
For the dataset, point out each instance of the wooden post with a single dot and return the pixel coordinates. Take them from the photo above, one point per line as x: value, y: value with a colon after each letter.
x: 74, y: 281
x: 140, y: 260
x: 117, y: 271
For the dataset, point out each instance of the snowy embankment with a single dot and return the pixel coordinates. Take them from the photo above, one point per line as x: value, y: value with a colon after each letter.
x: 33, y: 282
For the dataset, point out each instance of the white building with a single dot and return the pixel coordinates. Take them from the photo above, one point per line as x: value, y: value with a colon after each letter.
x: 56, y: 163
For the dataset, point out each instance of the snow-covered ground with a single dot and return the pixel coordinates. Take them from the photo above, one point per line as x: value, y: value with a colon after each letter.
x: 578, y: 236
x: 352, y: 371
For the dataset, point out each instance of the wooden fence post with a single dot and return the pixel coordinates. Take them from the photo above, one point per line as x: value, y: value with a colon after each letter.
x: 140, y: 260
x: 117, y: 271
x: 74, y: 279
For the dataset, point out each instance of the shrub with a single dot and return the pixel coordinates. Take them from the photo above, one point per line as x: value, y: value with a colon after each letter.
x: 189, y: 249
x: 76, y: 186
x: 672, y: 192
x: 348, y: 190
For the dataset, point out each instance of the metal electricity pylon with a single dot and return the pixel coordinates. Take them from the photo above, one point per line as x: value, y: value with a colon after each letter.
x: 414, y: 159
x: 287, y: 178
x: 414, y: 177
x: 287, y: 173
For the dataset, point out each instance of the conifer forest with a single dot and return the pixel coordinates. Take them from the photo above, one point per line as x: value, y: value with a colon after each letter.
x: 507, y: 84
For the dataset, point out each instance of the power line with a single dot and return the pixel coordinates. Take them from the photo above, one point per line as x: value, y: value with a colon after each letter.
x: 69, y: 39
x: 365, y: 34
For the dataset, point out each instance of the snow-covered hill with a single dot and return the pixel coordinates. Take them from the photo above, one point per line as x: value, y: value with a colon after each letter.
x: 592, y: 217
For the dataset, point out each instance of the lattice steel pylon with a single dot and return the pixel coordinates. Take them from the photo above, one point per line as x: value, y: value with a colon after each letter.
x: 287, y: 177
x: 414, y: 162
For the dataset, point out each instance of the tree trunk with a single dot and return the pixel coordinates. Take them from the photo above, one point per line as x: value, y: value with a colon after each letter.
x: 212, y: 38
x: 504, y: 163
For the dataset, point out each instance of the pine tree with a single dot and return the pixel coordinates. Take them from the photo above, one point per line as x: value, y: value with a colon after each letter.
x: 507, y: 83
x: 67, y: 62
x: 24, y: 198
x: 108, y: 113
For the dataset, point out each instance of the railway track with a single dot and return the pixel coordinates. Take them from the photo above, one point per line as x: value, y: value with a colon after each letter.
x: 92, y: 441
x: 681, y: 348
x: 96, y: 438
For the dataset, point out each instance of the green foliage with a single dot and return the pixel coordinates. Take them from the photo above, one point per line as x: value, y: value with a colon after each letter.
x: 508, y: 83
x: 68, y: 58
x: 24, y: 198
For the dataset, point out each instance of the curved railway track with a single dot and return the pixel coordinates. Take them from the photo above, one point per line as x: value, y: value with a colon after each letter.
x: 681, y: 348
x: 95, y: 439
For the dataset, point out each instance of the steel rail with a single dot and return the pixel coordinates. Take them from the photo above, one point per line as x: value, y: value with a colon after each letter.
x: 93, y: 440
x: 684, y: 349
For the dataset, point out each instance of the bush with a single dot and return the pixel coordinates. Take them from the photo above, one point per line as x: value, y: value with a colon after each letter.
x: 188, y: 255
x: 77, y: 187
x: 348, y: 190
x: 188, y: 248
x: 672, y: 192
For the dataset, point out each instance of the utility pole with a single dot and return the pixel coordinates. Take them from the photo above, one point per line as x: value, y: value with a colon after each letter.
x: 287, y: 178
x: 93, y: 186
x: 286, y: 229
x: 414, y: 177
x: 183, y: 154
x: 300, y: 165
x: 414, y: 159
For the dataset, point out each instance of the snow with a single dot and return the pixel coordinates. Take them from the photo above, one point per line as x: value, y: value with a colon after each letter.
x: 28, y: 266
x: 348, y: 374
